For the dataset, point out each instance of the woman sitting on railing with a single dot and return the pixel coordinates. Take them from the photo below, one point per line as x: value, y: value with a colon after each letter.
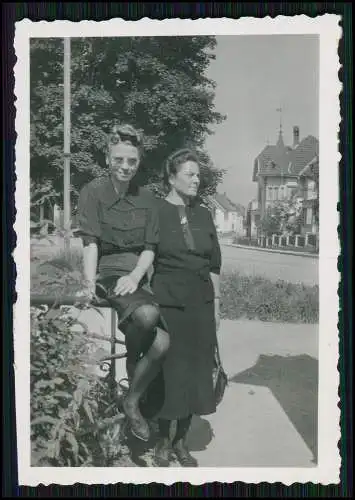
x: 118, y: 223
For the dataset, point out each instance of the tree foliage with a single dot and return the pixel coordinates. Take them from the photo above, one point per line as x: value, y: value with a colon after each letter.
x: 156, y: 83
x: 282, y: 217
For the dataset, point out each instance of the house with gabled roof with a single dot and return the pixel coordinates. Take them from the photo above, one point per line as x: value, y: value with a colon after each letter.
x: 308, y: 180
x: 279, y: 170
x: 227, y: 215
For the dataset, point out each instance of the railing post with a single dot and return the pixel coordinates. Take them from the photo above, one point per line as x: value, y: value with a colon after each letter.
x: 113, y: 319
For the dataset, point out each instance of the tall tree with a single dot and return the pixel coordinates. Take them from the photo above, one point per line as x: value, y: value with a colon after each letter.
x: 156, y: 83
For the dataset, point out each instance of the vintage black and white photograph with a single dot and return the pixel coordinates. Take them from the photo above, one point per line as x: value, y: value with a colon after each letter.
x: 176, y: 257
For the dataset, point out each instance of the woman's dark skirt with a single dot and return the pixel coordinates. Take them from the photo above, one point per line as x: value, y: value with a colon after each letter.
x: 188, y: 367
x: 124, y: 305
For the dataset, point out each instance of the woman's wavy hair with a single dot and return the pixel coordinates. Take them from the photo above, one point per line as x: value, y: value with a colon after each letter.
x: 124, y: 133
x: 175, y: 160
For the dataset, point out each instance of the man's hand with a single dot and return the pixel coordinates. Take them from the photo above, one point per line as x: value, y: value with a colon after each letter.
x: 126, y: 284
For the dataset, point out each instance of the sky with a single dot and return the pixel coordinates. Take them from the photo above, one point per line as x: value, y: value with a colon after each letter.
x: 256, y: 75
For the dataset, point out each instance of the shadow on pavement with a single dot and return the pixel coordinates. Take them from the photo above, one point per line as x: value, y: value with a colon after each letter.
x: 294, y: 382
x: 200, y: 434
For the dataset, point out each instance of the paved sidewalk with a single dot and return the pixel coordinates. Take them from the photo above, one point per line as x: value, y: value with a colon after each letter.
x: 268, y: 417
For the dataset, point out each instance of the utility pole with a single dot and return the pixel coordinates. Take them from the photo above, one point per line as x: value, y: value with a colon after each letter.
x: 67, y: 210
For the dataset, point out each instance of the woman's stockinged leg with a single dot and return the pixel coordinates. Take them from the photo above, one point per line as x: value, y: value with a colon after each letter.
x: 182, y: 428
x: 162, y: 449
x: 143, y: 336
x: 179, y: 443
x: 147, y: 367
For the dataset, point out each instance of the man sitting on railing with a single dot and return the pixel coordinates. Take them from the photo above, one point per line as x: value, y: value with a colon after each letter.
x: 119, y: 227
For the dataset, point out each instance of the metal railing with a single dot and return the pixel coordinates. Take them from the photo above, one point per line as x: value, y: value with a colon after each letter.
x: 70, y: 300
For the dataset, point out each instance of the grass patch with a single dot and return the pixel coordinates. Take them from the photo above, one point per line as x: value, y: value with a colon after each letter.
x: 57, y: 272
x: 254, y: 297
x: 251, y: 297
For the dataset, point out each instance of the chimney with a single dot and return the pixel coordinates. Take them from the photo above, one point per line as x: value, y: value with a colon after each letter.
x: 296, y: 136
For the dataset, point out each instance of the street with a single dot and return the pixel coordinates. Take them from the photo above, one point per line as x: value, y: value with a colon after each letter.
x: 292, y: 268
x: 273, y: 266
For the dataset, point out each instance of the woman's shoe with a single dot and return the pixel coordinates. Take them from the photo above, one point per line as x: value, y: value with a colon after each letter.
x: 138, y: 426
x: 162, y: 453
x: 183, y: 455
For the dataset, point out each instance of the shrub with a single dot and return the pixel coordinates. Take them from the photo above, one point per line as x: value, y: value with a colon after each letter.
x: 74, y: 417
x: 255, y: 297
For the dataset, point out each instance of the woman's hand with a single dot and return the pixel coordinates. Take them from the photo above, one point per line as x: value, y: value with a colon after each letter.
x: 126, y: 284
x: 217, y: 313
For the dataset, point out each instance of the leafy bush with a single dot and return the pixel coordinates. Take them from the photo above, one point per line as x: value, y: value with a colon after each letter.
x: 255, y: 297
x: 282, y: 215
x: 74, y: 416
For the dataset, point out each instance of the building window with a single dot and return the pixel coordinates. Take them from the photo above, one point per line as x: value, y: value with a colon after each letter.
x: 309, y: 216
x: 276, y: 193
x: 269, y: 193
x: 282, y: 192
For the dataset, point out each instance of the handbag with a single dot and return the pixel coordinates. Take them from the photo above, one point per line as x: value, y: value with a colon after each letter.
x: 220, y: 379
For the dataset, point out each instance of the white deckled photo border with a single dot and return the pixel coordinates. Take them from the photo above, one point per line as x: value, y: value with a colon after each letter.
x: 327, y: 28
